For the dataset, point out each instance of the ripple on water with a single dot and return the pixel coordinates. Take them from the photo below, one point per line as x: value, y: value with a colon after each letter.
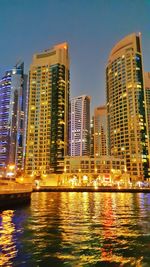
x: 77, y: 229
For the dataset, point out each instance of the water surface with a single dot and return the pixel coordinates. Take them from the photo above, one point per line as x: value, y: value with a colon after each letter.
x: 77, y: 229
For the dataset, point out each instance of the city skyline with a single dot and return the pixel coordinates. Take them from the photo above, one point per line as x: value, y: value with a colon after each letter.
x: 75, y: 133
x: 91, y: 29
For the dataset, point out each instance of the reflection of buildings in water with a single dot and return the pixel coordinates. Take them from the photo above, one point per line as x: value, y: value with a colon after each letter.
x: 116, y: 230
x: 82, y: 225
x: 88, y: 227
x: 75, y: 226
x: 7, y: 246
x: 108, y: 221
x: 76, y: 207
x: 142, y: 202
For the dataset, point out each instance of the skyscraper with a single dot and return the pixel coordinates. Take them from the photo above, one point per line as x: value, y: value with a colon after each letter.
x: 126, y: 107
x: 13, y: 88
x: 100, y: 131
x: 147, y: 94
x: 80, y: 126
x: 48, y: 112
x: 92, y: 137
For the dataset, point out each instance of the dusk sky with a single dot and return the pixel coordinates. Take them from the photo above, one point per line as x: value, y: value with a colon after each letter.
x: 91, y: 27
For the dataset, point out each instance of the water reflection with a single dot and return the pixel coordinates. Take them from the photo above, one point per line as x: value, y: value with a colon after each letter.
x: 7, y: 244
x: 78, y: 229
x: 95, y: 228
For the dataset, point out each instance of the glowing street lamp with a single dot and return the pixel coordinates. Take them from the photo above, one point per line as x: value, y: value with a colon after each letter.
x: 10, y: 171
x: 11, y: 167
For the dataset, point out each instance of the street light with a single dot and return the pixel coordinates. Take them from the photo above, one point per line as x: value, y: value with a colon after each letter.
x: 11, y: 167
x: 10, y: 171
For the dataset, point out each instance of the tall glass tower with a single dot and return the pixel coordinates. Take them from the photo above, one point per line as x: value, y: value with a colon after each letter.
x: 127, y: 127
x: 13, y: 89
x: 147, y: 93
x: 48, y: 112
x: 80, y: 126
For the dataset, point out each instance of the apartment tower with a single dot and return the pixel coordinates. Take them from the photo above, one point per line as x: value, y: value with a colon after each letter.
x: 147, y: 94
x: 127, y: 131
x: 100, y: 131
x: 80, y: 126
x: 48, y: 112
x: 13, y: 90
x: 92, y: 137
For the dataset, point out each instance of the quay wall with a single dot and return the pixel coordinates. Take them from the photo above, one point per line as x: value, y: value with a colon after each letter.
x: 14, y: 199
x: 89, y: 189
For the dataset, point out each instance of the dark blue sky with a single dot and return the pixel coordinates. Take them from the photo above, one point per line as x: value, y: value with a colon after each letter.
x: 91, y: 27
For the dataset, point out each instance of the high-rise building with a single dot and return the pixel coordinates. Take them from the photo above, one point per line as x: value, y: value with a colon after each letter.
x: 80, y: 126
x: 92, y: 137
x: 13, y: 89
x: 100, y: 131
x: 48, y: 112
x: 126, y: 107
x: 147, y: 94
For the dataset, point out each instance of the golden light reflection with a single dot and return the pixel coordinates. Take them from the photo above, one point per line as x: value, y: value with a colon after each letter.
x: 97, y: 244
x: 112, y: 221
x: 7, y: 245
x: 88, y: 228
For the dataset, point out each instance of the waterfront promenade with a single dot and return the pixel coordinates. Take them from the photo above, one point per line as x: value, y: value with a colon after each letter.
x: 16, y: 195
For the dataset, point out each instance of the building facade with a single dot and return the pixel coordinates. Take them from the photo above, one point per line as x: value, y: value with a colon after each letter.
x: 80, y: 126
x: 48, y: 112
x: 100, y: 131
x: 13, y: 90
x: 92, y: 137
x: 127, y: 131
x: 86, y: 170
x: 147, y: 95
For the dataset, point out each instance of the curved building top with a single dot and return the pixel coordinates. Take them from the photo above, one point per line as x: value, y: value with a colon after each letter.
x: 131, y: 40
